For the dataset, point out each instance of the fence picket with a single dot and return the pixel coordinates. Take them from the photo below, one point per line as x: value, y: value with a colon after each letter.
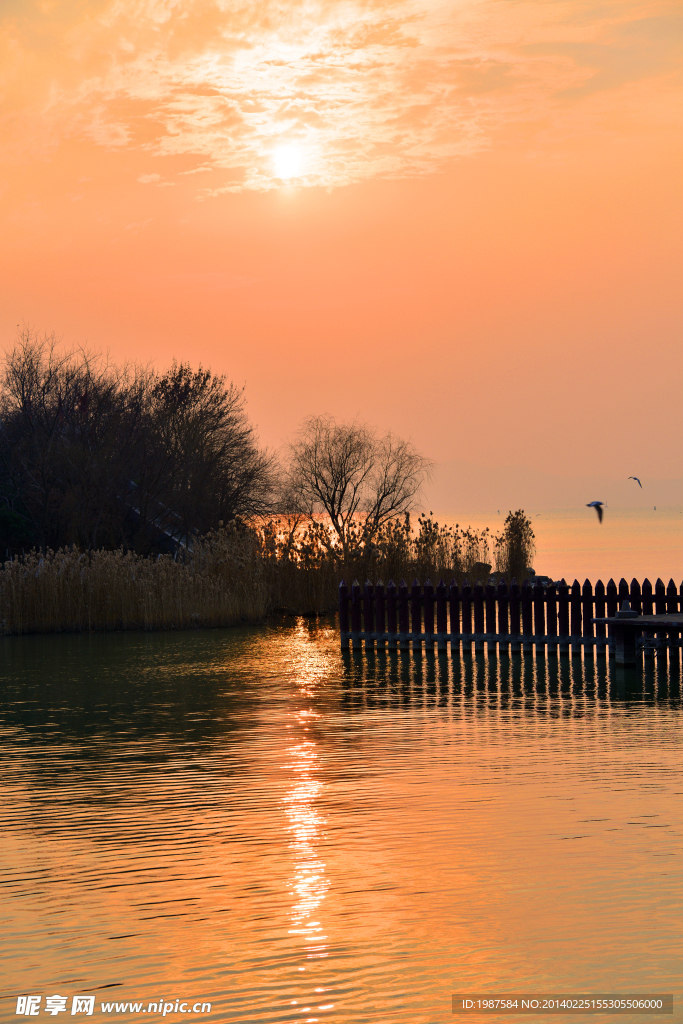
x: 624, y: 593
x: 551, y: 615
x: 466, y: 608
x: 503, y: 627
x: 478, y: 604
x: 441, y: 614
x: 429, y: 614
x: 392, y: 614
x: 454, y: 613
x: 344, y: 614
x: 599, y: 608
x: 635, y: 596
x: 587, y: 611
x: 660, y: 609
x: 539, y: 613
x: 356, y: 613
x: 515, y: 607
x: 491, y: 614
x: 526, y: 598
x: 416, y: 612
x: 563, y: 615
x: 648, y: 607
x: 403, y: 619
x: 368, y: 615
x: 575, y: 611
x: 380, y: 616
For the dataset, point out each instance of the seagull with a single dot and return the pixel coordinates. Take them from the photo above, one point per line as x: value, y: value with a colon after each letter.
x: 636, y: 480
x: 597, y: 505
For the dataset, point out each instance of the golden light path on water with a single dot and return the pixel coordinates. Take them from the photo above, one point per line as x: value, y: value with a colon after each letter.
x: 309, y: 884
x: 251, y: 817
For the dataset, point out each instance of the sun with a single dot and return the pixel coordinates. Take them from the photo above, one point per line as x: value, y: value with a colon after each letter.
x: 287, y: 161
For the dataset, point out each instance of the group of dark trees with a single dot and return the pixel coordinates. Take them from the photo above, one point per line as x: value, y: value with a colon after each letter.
x: 99, y: 456
x: 102, y: 457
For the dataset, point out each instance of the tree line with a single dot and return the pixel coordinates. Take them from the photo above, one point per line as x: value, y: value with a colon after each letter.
x: 105, y: 457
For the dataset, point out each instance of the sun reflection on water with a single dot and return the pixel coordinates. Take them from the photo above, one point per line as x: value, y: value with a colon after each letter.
x: 309, y: 884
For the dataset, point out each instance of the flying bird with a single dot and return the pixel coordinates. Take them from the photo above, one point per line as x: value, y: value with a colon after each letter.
x: 636, y: 480
x: 597, y: 505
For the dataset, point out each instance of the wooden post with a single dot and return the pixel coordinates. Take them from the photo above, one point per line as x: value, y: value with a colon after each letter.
x: 356, y: 641
x: 503, y: 626
x: 368, y: 614
x: 392, y: 619
x: 575, y: 613
x: 539, y: 616
x: 380, y: 623
x: 466, y: 604
x: 416, y: 614
x: 344, y: 615
x: 429, y: 616
x: 587, y: 608
x: 551, y: 613
x: 515, y: 626
x: 563, y: 615
x: 491, y: 615
x: 624, y: 638
x: 478, y: 603
x: 403, y: 618
x: 454, y: 614
x: 600, y: 627
x: 527, y: 617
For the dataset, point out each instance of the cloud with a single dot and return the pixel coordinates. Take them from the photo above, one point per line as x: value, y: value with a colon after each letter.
x: 362, y: 88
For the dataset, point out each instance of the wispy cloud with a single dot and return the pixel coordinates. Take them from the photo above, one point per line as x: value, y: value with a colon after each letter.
x: 361, y: 88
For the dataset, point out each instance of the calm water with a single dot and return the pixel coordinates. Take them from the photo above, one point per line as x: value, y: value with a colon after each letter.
x: 571, y: 543
x: 246, y: 818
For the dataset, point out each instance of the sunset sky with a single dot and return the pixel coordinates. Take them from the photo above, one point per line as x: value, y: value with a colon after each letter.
x: 458, y: 220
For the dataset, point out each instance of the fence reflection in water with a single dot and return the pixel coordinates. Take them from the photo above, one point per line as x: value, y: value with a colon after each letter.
x: 396, y: 677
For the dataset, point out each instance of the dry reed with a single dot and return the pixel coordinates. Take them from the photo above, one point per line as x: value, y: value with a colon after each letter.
x: 237, y: 573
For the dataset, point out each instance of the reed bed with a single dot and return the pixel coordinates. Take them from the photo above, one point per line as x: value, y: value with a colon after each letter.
x: 238, y: 573
x: 69, y: 590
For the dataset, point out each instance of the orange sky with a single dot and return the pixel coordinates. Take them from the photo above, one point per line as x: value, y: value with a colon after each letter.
x: 460, y: 220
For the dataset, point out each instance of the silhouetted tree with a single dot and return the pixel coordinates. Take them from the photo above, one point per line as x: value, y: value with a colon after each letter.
x: 208, y: 464
x: 515, y: 546
x: 63, y: 463
x: 100, y: 456
x: 356, y: 478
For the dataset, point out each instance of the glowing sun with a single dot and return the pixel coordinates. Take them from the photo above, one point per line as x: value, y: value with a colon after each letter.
x: 287, y: 161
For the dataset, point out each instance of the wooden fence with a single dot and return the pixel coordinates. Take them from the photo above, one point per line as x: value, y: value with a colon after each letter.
x: 515, y: 618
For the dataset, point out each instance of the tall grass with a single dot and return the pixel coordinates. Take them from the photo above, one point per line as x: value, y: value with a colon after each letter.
x: 105, y: 590
x: 237, y: 573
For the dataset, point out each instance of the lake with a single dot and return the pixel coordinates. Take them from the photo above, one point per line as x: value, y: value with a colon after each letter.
x: 249, y: 819
x: 571, y: 543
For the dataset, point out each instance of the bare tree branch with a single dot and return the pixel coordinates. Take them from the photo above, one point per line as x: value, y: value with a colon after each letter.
x: 355, y: 478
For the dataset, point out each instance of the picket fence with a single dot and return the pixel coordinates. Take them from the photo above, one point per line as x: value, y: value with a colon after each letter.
x: 516, y: 619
